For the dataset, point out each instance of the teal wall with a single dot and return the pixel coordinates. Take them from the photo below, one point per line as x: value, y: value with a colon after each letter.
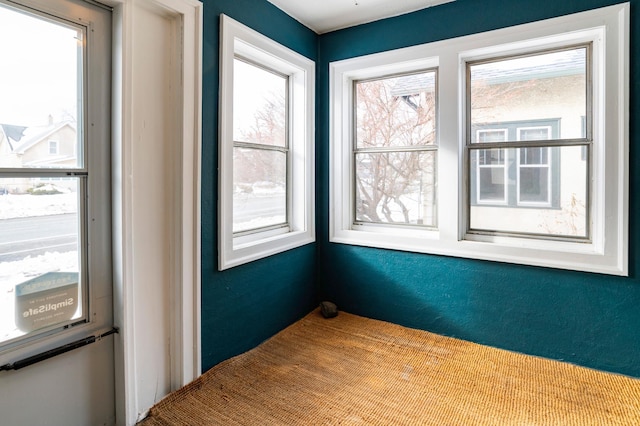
x: 588, y: 319
x: 245, y: 305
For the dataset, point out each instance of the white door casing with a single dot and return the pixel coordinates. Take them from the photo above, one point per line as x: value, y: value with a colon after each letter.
x: 156, y: 181
x: 156, y: 122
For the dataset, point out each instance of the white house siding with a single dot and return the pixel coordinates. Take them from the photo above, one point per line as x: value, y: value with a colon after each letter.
x: 558, y: 98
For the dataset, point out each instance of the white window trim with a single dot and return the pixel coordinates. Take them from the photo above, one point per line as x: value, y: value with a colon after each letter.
x: 546, y: 165
x: 504, y: 166
x: 53, y: 144
x: 239, y: 39
x: 608, y: 28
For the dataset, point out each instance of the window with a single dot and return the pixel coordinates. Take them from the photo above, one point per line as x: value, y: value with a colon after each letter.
x: 266, y: 147
x: 55, y: 253
x: 260, y: 148
x: 524, y: 178
x: 53, y: 147
x: 395, y: 150
x: 527, y: 155
x: 526, y: 87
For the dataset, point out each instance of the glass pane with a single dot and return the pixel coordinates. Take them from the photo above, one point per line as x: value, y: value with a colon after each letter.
x: 534, y: 133
x: 491, y: 185
x: 537, y: 155
x: 396, y: 111
x: 396, y: 187
x: 551, y: 84
x: 498, y: 135
x: 259, y: 188
x: 259, y: 105
x: 531, y: 199
x: 534, y: 184
x: 40, y: 83
x: 490, y: 157
x: 40, y: 283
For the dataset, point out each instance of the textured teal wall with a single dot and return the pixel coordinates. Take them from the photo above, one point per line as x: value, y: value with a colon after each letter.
x: 245, y: 305
x: 588, y: 319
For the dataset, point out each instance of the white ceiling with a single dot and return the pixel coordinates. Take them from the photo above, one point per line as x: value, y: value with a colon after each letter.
x: 327, y: 15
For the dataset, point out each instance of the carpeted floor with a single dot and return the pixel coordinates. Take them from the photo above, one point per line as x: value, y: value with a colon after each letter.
x: 351, y: 370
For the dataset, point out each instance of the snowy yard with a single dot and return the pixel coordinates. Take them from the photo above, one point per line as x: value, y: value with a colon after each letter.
x: 14, y: 272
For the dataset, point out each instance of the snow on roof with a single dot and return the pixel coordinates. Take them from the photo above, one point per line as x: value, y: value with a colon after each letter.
x: 33, y: 135
x: 548, y: 65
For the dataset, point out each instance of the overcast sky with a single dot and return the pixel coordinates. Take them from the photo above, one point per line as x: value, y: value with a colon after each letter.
x: 38, y: 69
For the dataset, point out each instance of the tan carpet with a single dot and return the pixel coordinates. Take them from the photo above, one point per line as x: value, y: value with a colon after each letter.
x: 351, y: 370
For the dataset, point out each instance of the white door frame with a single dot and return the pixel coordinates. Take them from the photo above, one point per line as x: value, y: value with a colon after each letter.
x: 186, y: 22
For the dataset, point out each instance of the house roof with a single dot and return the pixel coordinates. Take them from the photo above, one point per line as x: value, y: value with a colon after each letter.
x: 33, y: 135
x: 554, y: 64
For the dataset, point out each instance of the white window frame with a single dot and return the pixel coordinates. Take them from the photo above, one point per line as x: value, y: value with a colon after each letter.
x: 424, y: 148
x: 504, y: 166
x: 607, y: 251
x: 546, y: 165
x: 237, y: 39
x: 95, y: 212
x: 53, y: 147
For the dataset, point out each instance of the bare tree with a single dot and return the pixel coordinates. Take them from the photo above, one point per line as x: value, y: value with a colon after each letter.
x: 393, y: 174
x: 269, y: 129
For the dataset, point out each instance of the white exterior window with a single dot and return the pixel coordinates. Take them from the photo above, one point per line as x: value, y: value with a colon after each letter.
x: 491, y: 173
x: 266, y: 147
x: 531, y: 142
x: 53, y: 147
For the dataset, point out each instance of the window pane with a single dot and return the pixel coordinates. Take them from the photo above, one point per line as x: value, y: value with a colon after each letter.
x: 544, y: 200
x: 396, y: 111
x: 537, y: 155
x: 40, y: 274
x: 551, y: 84
x: 259, y: 105
x: 259, y: 188
x: 40, y: 83
x: 396, y: 187
x: 490, y: 157
x: 534, y: 184
x: 534, y: 133
x: 499, y: 135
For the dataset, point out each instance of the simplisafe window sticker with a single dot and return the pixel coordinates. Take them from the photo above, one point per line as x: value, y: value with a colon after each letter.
x: 49, y: 299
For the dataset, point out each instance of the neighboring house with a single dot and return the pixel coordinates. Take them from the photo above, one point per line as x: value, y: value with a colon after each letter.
x: 537, y: 190
x: 51, y: 146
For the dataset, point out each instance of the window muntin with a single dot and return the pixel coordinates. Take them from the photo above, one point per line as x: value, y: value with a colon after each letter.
x: 516, y: 89
x: 261, y: 148
x: 395, y: 151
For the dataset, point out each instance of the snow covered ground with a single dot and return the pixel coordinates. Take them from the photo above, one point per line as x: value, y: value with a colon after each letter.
x: 18, y: 271
x: 26, y: 205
